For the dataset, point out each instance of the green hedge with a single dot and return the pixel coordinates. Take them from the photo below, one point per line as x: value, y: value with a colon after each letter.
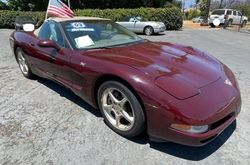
x: 7, y: 17
x: 172, y: 17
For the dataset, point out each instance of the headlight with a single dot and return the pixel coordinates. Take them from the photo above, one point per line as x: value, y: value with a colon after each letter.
x: 190, y: 128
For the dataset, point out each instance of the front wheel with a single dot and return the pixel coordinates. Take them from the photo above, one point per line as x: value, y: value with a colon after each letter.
x: 121, y: 109
x: 23, y: 65
x: 148, y: 30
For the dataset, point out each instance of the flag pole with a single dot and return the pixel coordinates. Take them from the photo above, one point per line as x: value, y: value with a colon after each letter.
x: 46, y: 16
x: 69, y: 3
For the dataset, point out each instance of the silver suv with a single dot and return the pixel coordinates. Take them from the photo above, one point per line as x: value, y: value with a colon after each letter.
x: 228, y: 16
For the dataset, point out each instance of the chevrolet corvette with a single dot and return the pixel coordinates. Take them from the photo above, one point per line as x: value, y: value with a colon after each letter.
x: 173, y: 92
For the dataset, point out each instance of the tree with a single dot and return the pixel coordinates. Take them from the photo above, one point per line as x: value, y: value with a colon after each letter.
x: 28, y: 5
x: 41, y: 5
x: 196, y: 3
x: 3, y: 6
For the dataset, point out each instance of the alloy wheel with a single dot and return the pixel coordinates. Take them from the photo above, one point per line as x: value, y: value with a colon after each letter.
x: 117, y: 109
x: 22, y: 63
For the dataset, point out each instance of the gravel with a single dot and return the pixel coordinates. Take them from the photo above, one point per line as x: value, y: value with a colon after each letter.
x: 43, y: 123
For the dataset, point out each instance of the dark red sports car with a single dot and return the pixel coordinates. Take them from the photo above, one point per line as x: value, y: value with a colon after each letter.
x: 176, y: 93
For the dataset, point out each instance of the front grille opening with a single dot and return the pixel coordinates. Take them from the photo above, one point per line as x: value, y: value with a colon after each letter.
x: 221, y: 121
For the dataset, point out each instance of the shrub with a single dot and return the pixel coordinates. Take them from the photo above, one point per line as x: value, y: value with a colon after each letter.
x: 192, y: 14
x: 171, y: 17
x: 7, y: 17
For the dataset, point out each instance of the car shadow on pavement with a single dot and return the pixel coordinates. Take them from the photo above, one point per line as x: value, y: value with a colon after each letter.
x: 178, y: 150
x: 64, y: 92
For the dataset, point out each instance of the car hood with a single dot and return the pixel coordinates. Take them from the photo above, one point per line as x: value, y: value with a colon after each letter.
x: 160, y: 23
x: 170, y: 65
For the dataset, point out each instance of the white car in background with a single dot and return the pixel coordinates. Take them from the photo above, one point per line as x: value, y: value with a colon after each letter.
x: 199, y: 19
x: 139, y: 25
x: 228, y: 16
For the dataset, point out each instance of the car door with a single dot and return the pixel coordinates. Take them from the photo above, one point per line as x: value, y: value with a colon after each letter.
x: 130, y: 23
x: 59, y: 63
x: 38, y: 57
x: 54, y: 62
x: 235, y: 17
x: 139, y: 25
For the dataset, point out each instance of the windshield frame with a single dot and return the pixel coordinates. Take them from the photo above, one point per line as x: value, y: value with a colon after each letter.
x: 69, y: 39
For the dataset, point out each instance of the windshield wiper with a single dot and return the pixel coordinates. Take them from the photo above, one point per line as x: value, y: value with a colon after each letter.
x: 102, y: 47
x: 120, y: 45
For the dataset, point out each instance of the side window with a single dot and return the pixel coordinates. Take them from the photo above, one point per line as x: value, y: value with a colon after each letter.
x: 51, y: 31
x: 44, y: 32
x: 125, y: 19
x: 239, y: 13
x: 56, y: 34
x: 132, y: 19
x: 229, y: 12
x: 234, y: 12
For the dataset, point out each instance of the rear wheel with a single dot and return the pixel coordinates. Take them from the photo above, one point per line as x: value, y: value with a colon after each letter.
x: 230, y: 23
x: 120, y: 108
x: 23, y: 65
x: 244, y: 23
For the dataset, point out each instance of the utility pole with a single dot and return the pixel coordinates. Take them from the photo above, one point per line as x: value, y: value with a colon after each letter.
x: 183, y: 8
x: 69, y: 3
x: 208, y: 9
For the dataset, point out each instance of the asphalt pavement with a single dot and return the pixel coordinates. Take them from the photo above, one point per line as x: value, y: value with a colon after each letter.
x: 44, y: 123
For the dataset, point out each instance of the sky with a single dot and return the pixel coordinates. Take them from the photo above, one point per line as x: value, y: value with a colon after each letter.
x: 188, y: 3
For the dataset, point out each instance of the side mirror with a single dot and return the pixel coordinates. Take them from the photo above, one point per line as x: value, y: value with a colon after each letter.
x: 48, y: 44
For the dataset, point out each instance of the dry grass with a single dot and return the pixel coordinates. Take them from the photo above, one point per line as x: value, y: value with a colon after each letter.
x: 190, y: 24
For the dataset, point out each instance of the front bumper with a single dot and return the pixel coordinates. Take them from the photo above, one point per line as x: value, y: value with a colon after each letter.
x: 195, y: 140
x: 216, y: 106
x: 222, y: 21
x: 159, y: 30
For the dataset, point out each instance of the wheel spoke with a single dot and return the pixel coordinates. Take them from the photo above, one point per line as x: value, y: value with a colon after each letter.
x: 127, y: 116
x: 26, y: 67
x: 19, y: 58
x: 117, y: 120
x: 107, y: 108
x: 112, y: 97
x: 122, y: 102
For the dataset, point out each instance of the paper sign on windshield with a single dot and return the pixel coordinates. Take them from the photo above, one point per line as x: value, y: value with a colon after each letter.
x: 84, y: 41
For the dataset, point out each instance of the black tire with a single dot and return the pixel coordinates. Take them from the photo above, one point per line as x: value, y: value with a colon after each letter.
x: 229, y: 23
x: 212, y: 25
x: 244, y: 23
x: 28, y: 74
x: 148, y: 30
x: 139, y: 119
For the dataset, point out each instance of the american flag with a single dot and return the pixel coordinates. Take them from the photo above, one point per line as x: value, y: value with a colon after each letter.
x: 59, y: 9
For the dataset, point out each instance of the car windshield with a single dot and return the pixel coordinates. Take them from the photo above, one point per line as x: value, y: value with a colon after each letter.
x: 218, y: 12
x: 95, y: 34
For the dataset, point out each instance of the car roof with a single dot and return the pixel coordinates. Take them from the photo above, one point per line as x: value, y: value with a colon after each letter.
x: 60, y: 19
